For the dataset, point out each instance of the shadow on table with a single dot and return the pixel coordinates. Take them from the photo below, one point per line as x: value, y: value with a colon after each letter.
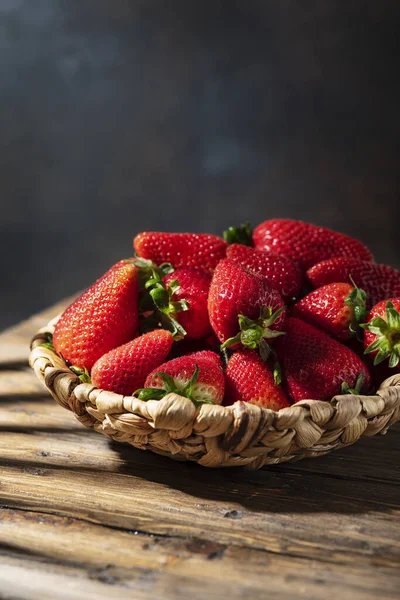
x: 281, y: 489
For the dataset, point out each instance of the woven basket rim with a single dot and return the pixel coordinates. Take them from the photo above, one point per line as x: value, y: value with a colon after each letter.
x: 238, y: 429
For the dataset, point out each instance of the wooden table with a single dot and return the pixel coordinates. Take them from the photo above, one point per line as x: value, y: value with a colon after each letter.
x: 84, y: 518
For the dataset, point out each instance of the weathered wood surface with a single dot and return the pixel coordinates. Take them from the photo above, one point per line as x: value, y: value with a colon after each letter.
x: 82, y: 517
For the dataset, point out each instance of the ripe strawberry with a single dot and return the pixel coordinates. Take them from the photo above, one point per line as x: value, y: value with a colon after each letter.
x: 315, y: 366
x: 236, y: 298
x: 125, y: 368
x: 378, y: 281
x: 337, y: 308
x: 181, y: 249
x: 382, y: 333
x: 281, y: 272
x: 306, y: 244
x: 197, y: 376
x: 193, y: 288
x: 102, y: 318
x: 250, y: 379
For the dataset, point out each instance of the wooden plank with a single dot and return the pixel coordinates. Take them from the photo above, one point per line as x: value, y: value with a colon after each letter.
x: 153, y: 566
x: 276, y: 512
x: 88, y: 517
x: 14, y: 342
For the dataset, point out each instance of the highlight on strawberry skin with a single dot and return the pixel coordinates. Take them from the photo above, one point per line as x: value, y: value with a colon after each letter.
x: 201, y: 250
x: 379, y: 282
x: 337, y: 308
x: 103, y: 317
x: 124, y: 369
x: 250, y: 379
x: 280, y: 272
x: 307, y: 244
x: 314, y: 365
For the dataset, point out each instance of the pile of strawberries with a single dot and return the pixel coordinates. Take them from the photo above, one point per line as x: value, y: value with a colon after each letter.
x: 287, y: 312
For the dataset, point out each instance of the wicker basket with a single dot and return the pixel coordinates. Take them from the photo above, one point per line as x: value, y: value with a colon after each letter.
x: 218, y: 436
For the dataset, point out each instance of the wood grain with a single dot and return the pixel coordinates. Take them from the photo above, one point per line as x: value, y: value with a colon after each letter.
x: 83, y: 517
x: 170, y: 567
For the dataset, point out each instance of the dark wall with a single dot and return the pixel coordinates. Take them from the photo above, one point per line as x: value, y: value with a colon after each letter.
x: 121, y: 115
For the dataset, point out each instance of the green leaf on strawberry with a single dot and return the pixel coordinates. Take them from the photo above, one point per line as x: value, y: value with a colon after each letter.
x: 253, y: 333
x: 239, y: 235
x: 357, y: 300
x: 170, y: 387
x: 356, y: 391
x: 49, y: 342
x: 83, y: 374
x: 386, y: 344
x: 157, y: 306
x: 148, y: 270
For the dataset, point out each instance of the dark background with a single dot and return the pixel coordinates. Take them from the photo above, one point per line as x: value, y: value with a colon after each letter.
x: 121, y: 115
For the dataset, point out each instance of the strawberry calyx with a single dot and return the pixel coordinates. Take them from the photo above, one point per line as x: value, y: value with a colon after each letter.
x: 171, y: 387
x: 239, y: 235
x: 147, y: 269
x: 253, y: 334
x: 387, y: 342
x: 276, y: 368
x: 49, y: 341
x: 83, y: 374
x: 357, y: 300
x: 156, y: 305
x: 356, y: 391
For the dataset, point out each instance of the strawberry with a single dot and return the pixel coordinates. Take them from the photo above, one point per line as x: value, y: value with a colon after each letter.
x: 315, y: 366
x: 102, y: 318
x: 192, y: 285
x: 306, y: 244
x: 125, y: 368
x: 250, y: 379
x: 181, y: 249
x: 378, y: 281
x: 280, y: 271
x: 337, y: 308
x: 382, y: 333
x: 243, y: 307
x: 197, y: 376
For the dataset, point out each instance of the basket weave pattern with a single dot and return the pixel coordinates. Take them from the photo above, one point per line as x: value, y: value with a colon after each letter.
x: 218, y: 436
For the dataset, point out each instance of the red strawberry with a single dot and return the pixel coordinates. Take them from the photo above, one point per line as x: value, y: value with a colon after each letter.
x: 193, y: 287
x: 102, y: 318
x: 198, y: 376
x: 124, y: 369
x: 337, y: 308
x: 238, y: 296
x: 280, y: 271
x: 250, y: 379
x: 382, y: 334
x: 315, y: 366
x: 181, y: 249
x: 378, y: 281
x: 306, y: 244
